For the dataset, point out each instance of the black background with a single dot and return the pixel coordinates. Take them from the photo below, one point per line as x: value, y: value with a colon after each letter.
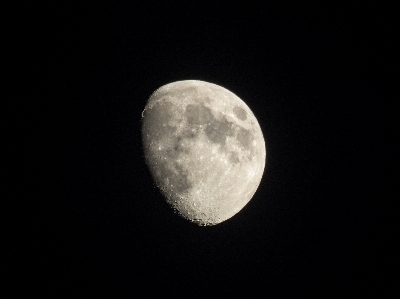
x: 85, y: 218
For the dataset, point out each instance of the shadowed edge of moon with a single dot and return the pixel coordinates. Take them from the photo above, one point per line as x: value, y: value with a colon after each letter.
x: 171, y: 178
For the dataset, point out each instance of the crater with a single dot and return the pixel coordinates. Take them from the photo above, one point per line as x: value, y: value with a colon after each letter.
x: 240, y: 113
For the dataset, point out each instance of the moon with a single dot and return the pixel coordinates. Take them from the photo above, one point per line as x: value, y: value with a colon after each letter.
x: 204, y: 149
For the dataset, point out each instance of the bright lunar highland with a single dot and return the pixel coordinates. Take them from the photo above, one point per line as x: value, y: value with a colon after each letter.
x: 204, y: 149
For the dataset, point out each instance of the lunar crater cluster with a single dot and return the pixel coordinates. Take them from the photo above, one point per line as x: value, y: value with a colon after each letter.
x: 204, y: 149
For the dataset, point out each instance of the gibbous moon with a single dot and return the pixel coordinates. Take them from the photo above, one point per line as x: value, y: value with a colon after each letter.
x: 204, y: 149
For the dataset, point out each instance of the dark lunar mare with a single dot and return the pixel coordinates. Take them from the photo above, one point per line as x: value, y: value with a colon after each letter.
x: 240, y: 113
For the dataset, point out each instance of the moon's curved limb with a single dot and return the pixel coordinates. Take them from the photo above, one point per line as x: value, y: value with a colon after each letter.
x: 204, y: 149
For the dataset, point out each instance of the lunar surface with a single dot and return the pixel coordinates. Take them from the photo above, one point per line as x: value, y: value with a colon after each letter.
x: 204, y: 149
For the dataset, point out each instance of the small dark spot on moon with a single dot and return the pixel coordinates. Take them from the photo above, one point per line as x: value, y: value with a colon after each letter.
x: 240, y: 113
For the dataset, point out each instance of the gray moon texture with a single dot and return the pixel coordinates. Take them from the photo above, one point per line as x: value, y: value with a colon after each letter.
x: 204, y: 149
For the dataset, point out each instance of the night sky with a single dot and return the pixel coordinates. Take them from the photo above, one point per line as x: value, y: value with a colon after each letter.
x: 85, y: 218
